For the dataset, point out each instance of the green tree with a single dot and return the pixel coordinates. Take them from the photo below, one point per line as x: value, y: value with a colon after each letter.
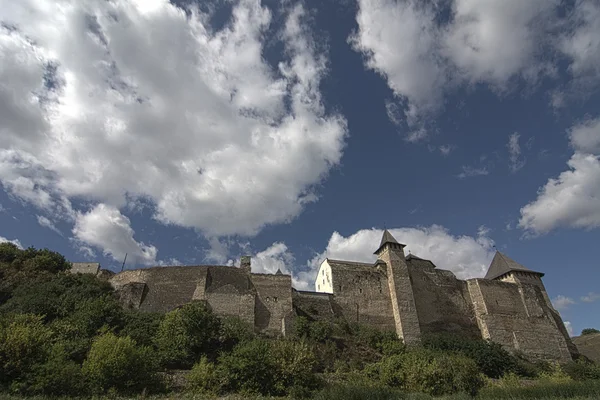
x: 24, y: 342
x: 186, y: 334
x: 589, y: 331
x: 250, y: 368
x: 118, y: 364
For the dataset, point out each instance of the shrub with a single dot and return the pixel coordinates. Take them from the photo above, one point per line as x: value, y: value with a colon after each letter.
x: 234, y: 331
x: 118, y: 364
x: 23, y: 343
x: 58, y: 376
x: 204, y: 378
x: 320, y: 331
x: 589, y: 331
x: 249, y: 368
x: 141, y: 326
x: 582, y: 370
x: 432, y: 372
x: 186, y: 334
x: 295, y: 364
x: 490, y: 357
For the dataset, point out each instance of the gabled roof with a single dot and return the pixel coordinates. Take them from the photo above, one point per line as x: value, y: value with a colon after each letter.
x: 387, y: 238
x: 502, y: 264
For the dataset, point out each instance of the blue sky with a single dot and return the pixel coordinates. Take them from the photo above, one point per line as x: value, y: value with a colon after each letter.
x: 294, y: 131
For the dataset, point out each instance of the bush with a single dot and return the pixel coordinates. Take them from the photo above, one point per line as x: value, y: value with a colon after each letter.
x: 319, y: 331
x: 186, y: 334
x: 589, y: 331
x: 234, y: 331
x: 204, y: 378
x: 118, y: 364
x: 58, y: 376
x: 142, y: 327
x: 432, y: 372
x: 24, y: 342
x: 250, y: 368
x: 295, y: 364
x: 490, y: 357
x: 581, y: 370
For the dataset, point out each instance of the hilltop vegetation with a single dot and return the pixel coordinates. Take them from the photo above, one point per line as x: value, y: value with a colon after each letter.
x: 66, y: 334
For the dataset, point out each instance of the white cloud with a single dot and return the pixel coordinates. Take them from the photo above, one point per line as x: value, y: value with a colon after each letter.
x: 106, y: 228
x: 422, y: 58
x: 112, y: 101
x: 468, y: 172
x: 569, y: 327
x: 572, y: 199
x: 585, y: 137
x: 514, y: 153
x: 581, y: 44
x: 466, y: 256
x: 45, y: 222
x: 591, y: 297
x: 561, y: 302
x: 16, y: 242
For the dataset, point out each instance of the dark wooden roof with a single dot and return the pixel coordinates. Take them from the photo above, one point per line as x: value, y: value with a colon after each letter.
x: 387, y: 238
x: 502, y: 265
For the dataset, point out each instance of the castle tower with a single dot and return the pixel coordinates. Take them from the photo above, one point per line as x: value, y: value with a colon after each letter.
x: 403, y: 302
x: 505, y: 269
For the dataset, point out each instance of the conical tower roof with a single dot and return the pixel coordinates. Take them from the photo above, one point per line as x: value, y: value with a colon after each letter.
x: 387, y: 238
x: 502, y: 264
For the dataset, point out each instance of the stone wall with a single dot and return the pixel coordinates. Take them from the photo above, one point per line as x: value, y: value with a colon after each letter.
x: 85, y: 268
x: 443, y: 302
x: 273, y: 301
x: 362, y: 292
x: 517, y: 317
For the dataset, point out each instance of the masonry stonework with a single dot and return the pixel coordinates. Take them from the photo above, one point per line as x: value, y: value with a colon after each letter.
x: 408, y: 295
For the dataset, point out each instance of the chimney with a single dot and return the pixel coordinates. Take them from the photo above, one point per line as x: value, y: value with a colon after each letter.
x: 245, y: 262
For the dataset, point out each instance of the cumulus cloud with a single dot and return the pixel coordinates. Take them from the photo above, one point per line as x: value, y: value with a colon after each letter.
x: 572, y: 199
x: 466, y: 256
x: 106, y: 228
x: 514, y: 153
x: 113, y: 101
x: 561, y: 302
x: 16, y: 242
x: 426, y: 49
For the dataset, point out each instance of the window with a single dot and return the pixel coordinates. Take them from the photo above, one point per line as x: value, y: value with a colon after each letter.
x: 359, y: 290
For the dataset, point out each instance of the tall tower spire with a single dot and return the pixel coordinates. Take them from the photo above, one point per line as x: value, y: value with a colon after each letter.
x: 403, y: 302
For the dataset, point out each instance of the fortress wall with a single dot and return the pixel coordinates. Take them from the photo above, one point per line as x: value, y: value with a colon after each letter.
x: 315, y: 305
x: 167, y: 288
x: 363, y: 296
x: 443, y: 302
x: 517, y: 318
x: 85, y: 268
x: 273, y: 301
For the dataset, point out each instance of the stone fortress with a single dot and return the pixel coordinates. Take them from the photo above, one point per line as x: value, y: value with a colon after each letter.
x: 409, y: 295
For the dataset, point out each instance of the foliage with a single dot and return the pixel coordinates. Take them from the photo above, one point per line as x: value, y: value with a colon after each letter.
x: 118, y: 364
x: 589, y: 331
x: 186, y: 334
x: 433, y: 372
x: 582, y: 370
x: 295, y: 364
x: 204, y: 378
x: 319, y: 331
x: 58, y: 375
x: 141, y: 326
x: 234, y: 331
x: 490, y: 357
x: 23, y: 343
x: 249, y: 368
x: 544, y: 390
